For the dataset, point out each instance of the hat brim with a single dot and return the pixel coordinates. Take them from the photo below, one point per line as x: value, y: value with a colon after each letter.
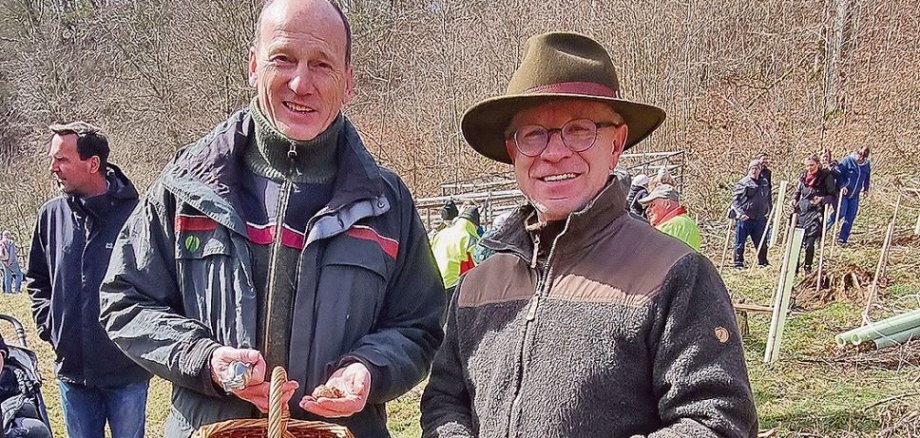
x: 648, y: 199
x: 484, y: 124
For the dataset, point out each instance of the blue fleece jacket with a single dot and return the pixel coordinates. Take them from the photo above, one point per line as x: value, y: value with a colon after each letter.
x: 854, y: 176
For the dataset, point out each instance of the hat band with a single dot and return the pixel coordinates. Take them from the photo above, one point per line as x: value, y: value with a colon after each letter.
x: 587, y: 88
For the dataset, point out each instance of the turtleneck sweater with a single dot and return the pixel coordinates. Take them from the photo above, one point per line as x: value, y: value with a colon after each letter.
x: 286, y: 183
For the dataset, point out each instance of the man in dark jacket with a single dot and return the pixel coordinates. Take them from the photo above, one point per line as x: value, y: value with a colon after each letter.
x: 637, y: 190
x: 70, y: 252
x: 750, y: 206
x: 585, y: 322
x: 276, y: 240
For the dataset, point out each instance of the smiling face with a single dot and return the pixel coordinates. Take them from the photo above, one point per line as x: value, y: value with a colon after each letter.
x: 559, y: 181
x: 298, y: 66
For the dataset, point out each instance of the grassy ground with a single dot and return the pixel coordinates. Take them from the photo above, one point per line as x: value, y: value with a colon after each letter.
x: 813, y: 390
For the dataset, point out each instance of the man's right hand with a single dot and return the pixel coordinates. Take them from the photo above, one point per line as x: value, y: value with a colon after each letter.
x: 743, y: 217
x: 844, y: 191
x: 256, y: 389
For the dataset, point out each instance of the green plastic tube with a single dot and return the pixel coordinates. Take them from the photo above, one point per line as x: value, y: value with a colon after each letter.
x: 897, y: 338
x: 890, y: 326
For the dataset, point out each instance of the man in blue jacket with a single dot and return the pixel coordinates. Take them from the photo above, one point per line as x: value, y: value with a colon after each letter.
x: 277, y: 240
x: 70, y: 252
x: 854, y: 172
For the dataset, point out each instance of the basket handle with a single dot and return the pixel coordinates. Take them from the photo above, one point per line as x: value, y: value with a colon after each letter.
x: 278, y: 413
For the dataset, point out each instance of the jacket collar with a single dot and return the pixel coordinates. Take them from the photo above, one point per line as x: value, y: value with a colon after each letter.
x: 580, y: 230
x: 671, y: 215
x: 466, y: 225
x: 206, y: 174
x: 120, y: 188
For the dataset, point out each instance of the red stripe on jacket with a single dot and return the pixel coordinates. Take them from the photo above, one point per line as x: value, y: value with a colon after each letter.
x: 265, y: 235
x: 389, y: 246
x: 195, y: 223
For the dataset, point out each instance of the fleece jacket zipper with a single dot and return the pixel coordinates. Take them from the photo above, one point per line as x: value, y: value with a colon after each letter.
x: 530, y: 325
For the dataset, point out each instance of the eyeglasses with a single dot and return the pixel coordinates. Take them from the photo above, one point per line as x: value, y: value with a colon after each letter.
x: 578, y: 135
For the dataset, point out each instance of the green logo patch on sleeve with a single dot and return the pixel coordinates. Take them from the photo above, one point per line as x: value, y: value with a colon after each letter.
x: 192, y: 243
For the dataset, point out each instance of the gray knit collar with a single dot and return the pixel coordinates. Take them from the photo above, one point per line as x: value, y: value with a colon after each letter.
x: 272, y: 155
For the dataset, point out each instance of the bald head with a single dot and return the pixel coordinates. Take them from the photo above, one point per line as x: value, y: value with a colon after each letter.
x: 306, y: 10
x: 299, y: 65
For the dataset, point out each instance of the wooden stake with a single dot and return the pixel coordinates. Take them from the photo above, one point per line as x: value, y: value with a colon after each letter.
x: 836, y: 223
x: 793, y: 221
x: 823, y: 239
x: 763, y: 237
x: 894, y: 222
x: 781, y: 198
x: 784, y: 291
x: 897, y: 206
x: 728, y: 235
x: 873, y: 290
x: 789, y: 227
x: 917, y: 227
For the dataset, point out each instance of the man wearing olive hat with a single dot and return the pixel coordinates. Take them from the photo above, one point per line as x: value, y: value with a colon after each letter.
x: 586, y: 322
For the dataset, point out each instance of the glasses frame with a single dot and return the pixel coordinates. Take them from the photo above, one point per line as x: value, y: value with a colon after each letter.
x: 549, y: 135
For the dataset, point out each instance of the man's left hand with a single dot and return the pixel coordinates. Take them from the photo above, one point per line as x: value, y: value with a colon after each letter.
x: 354, y: 383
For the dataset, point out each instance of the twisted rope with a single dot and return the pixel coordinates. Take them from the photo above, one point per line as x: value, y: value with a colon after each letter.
x: 278, y: 414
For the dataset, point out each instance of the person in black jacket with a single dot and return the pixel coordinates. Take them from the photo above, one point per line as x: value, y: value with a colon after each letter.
x: 815, y: 190
x: 637, y: 190
x: 70, y: 252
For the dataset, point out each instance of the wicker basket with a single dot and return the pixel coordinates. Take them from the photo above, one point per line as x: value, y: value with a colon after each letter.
x: 277, y: 425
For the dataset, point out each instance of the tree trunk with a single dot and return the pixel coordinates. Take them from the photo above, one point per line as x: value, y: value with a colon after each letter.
x: 837, y: 31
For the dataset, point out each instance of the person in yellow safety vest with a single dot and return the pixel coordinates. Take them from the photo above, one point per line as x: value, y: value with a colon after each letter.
x: 453, y: 247
x: 667, y: 215
x: 449, y: 212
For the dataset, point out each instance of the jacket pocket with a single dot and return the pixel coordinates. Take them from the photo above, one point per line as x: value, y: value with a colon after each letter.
x: 206, y: 274
x: 352, y: 289
x: 196, y: 245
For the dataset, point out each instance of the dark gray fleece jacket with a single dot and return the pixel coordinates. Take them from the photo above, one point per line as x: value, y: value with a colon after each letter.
x: 623, y: 332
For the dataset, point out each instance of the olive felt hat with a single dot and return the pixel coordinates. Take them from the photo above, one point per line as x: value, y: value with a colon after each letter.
x: 555, y: 66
